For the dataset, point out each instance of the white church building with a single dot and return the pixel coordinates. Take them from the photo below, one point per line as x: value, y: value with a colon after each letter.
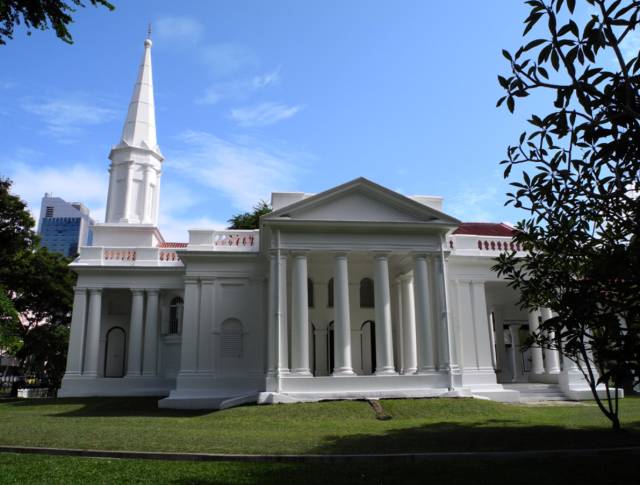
x: 354, y: 292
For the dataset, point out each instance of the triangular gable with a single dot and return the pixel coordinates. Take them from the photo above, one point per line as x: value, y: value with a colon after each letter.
x: 361, y: 201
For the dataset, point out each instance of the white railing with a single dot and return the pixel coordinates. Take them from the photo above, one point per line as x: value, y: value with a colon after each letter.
x: 489, y: 246
x: 235, y: 241
x: 118, y: 256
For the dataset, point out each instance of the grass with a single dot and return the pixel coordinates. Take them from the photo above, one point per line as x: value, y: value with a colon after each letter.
x: 28, y: 469
x: 328, y: 427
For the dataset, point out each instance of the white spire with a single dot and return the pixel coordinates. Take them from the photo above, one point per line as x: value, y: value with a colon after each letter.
x: 136, y: 162
x: 140, y: 126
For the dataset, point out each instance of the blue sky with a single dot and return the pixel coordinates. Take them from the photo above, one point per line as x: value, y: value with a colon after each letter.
x: 256, y: 96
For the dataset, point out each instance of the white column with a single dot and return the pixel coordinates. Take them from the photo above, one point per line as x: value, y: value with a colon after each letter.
x: 300, y: 316
x: 126, y: 213
x: 283, y: 327
x: 78, y: 328
x: 206, y: 345
x: 514, y: 330
x: 191, y: 314
x: 145, y: 215
x: 537, y: 362
x: 150, y: 366
x: 424, y: 326
x: 272, y: 325
x: 109, y: 216
x: 384, y: 340
x: 93, y: 333
x: 134, y: 356
x: 551, y: 357
x: 342, y: 322
x: 442, y: 322
x: 409, y: 357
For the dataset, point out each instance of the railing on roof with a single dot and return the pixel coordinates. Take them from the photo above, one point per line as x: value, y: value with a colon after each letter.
x: 489, y: 246
x: 227, y: 240
x: 120, y: 256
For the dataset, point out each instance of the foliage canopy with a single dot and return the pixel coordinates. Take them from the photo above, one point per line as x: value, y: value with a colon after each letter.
x: 250, y: 220
x: 41, y: 15
x: 576, y: 173
x: 37, y: 293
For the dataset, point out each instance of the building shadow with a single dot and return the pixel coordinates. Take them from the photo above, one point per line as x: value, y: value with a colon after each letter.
x: 104, y: 407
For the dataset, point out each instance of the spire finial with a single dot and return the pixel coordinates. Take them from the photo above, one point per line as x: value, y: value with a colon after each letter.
x: 147, y: 41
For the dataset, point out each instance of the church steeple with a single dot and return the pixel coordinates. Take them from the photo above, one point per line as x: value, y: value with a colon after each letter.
x: 140, y: 126
x: 136, y: 161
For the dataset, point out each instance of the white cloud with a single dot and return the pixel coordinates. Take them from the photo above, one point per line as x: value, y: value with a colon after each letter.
x: 263, y: 114
x: 74, y: 183
x: 240, y: 88
x: 175, y: 228
x: 631, y: 45
x: 66, y: 117
x: 266, y: 79
x: 474, y: 204
x: 226, y: 59
x: 178, y: 29
x: 245, y: 171
x: 83, y: 184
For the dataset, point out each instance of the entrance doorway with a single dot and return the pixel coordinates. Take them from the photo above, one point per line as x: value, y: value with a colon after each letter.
x: 517, y: 362
x: 115, y: 351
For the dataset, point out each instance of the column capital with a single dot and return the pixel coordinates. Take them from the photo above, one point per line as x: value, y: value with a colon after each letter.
x: 80, y: 289
x: 153, y: 291
x: 137, y: 291
x: 207, y: 281
x: 95, y: 290
x: 381, y: 255
x: 340, y: 254
x: 299, y: 253
x: 191, y: 280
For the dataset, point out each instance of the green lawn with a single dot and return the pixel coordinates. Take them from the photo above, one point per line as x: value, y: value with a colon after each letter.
x: 328, y: 427
x: 27, y: 469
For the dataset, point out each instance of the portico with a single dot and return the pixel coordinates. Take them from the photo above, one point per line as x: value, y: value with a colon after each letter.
x: 362, y: 299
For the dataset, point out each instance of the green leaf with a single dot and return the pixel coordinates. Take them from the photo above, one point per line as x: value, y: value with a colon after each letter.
x: 534, y: 43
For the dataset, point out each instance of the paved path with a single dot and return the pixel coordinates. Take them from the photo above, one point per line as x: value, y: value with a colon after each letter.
x: 338, y: 458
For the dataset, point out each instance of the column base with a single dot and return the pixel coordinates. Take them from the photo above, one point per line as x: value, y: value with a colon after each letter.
x: 426, y: 370
x: 386, y: 371
x: 410, y: 371
x: 301, y: 372
x: 343, y: 372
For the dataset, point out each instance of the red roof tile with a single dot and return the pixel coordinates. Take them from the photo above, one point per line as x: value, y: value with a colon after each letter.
x: 173, y: 245
x: 485, y: 229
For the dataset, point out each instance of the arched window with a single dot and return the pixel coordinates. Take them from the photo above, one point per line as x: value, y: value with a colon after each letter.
x: 176, y: 308
x: 231, y: 331
x: 310, y: 292
x: 366, y: 293
x: 330, y: 293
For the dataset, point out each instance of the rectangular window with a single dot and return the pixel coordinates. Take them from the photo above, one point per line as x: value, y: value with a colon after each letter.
x: 49, y: 211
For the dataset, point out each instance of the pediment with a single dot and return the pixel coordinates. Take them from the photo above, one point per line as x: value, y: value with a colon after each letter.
x: 361, y: 201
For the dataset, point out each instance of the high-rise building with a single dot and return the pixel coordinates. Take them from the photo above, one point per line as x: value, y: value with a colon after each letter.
x: 64, y: 226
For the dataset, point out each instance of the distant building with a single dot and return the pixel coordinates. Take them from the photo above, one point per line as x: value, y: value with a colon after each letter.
x: 64, y: 226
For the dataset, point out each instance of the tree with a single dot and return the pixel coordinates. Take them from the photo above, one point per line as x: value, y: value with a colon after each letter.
x: 578, y: 179
x: 250, y: 220
x: 42, y: 15
x: 37, y: 293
